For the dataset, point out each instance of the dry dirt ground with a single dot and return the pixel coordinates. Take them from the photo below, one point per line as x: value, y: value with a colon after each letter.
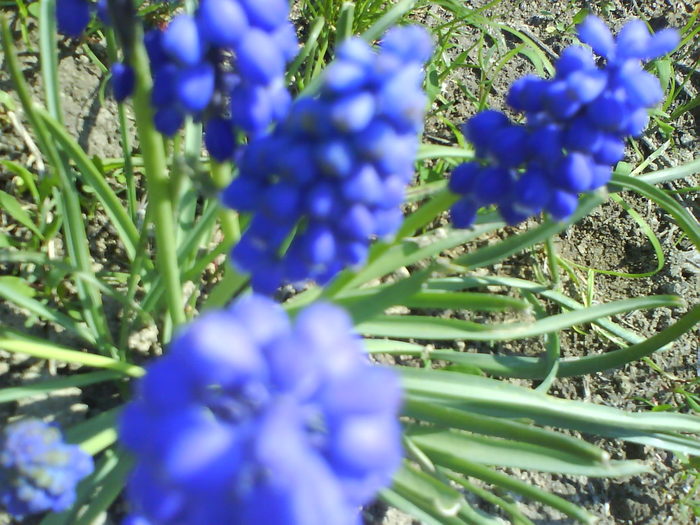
x: 609, y: 239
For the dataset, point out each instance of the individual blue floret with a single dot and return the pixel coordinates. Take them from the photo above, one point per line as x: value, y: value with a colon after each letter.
x: 333, y: 173
x: 122, y: 81
x: 72, y: 16
x: 250, y: 419
x: 38, y: 471
x: 576, y: 125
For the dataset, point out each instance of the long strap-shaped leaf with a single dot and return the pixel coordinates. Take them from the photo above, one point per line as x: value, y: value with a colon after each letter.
x: 47, y: 387
x: 91, y: 175
x: 496, y: 452
x: 534, y: 368
x: 502, y: 399
x: 10, y: 294
x: 76, y: 239
x: 48, y: 350
x: 435, y: 328
x: 685, y: 220
x: 450, y: 417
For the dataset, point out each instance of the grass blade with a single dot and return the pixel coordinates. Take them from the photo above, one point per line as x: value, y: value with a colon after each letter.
x: 425, y: 327
x: 46, y: 387
x: 88, y: 171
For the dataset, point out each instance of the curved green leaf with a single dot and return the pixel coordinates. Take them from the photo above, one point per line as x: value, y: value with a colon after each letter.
x: 435, y: 328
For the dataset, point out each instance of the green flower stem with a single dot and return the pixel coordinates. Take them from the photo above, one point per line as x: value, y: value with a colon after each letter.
x: 552, y: 263
x: 132, y: 203
x: 232, y: 281
x: 221, y: 175
x: 155, y: 167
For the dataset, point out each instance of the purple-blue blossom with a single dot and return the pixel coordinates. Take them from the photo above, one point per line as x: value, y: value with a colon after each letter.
x: 38, y: 471
x: 72, y: 16
x: 250, y: 418
x: 575, y: 128
x: 122, y: 81
x: 224, y: 63
x: 333, y: 172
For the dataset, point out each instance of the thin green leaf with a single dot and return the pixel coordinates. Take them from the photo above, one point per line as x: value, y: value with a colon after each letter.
x: 47, y: 350
x: 517, y: 243
x: 684, y: 219
x: 26, y: 176
x: 388, y: 19
x: 436, y: 151
x: 375, y: 303
x: 97, y: 433
x: 669, y: 174
x: 436, y: 498
x: 469, y: 468
x: 411, y: 251
x: 106, y: 492
x: 534, y: 368
x: 42, y: 311
x: 19, y: 285
x: 500, y: 399
x: 14, y: 209
x: 396, y: 500
x: 435, y: 328
x: 46, y: 387
x: 452, y: 417
x: 88, y: 171
x: 498, y: 452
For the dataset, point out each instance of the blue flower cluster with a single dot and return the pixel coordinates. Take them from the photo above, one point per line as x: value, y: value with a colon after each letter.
x: 224, y: 65
x: 38, y: 471
x: 249, y: 419
x: 335, y: 170
x: 576, y: 124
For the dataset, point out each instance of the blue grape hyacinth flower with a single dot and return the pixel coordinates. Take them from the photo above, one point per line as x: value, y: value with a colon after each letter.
x: 575, y: 128
x: 252, y: 419
x: 337, y: 166
x: 38, y: 471
x: 226, y: 63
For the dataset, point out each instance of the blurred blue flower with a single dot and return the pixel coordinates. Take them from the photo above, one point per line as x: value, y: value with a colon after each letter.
x: 251, y: 419
x: 38, y: 471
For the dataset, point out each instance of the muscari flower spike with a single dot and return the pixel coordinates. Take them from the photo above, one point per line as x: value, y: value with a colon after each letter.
x: 336, y: 167
x: 576, y: 124
x: 251, y: 419
x: 225, y: 64
x: 38, y: 471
